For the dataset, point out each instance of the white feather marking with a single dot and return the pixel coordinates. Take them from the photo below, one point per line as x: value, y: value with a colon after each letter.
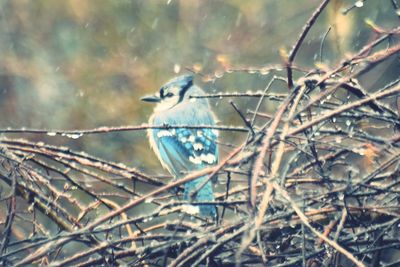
x: 191, y: 209
x: 164, y: 133
x: 215, y: 132
x: 191, y: 139
x: 198, y: 146
x: 199, y: 133
x: 209, y: 158
x: 195, y: 160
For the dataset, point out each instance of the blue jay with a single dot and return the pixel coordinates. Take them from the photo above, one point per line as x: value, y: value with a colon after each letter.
x: 182, y: 150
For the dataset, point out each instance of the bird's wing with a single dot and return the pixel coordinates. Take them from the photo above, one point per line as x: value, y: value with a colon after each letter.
x: 183, y: 150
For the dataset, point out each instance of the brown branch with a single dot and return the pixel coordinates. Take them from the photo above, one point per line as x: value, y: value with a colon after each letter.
x: 301, y: 38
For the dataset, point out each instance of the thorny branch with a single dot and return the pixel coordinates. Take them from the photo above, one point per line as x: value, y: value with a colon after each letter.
x: 318, y: 182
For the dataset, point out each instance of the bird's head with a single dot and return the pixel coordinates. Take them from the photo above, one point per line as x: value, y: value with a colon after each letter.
x: 171, y: 93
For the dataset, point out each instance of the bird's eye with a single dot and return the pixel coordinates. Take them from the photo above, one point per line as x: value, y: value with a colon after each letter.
x: 169, y: 95
x: 162, y: 93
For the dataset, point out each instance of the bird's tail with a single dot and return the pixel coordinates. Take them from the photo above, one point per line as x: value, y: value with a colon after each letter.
x: 205, y: 194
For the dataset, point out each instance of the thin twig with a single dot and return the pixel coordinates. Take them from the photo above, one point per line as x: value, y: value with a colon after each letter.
x: 301, y: 38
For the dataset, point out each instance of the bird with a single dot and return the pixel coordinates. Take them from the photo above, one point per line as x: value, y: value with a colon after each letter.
x: 184, y: 150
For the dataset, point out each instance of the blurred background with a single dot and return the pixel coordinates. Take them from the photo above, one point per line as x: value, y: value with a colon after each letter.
x: 85, y: 64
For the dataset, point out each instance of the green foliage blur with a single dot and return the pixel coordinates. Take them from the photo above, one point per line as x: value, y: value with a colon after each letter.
x: 84, y: 64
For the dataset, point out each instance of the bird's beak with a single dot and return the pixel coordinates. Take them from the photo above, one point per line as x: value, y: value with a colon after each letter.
x: 151, y: 98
